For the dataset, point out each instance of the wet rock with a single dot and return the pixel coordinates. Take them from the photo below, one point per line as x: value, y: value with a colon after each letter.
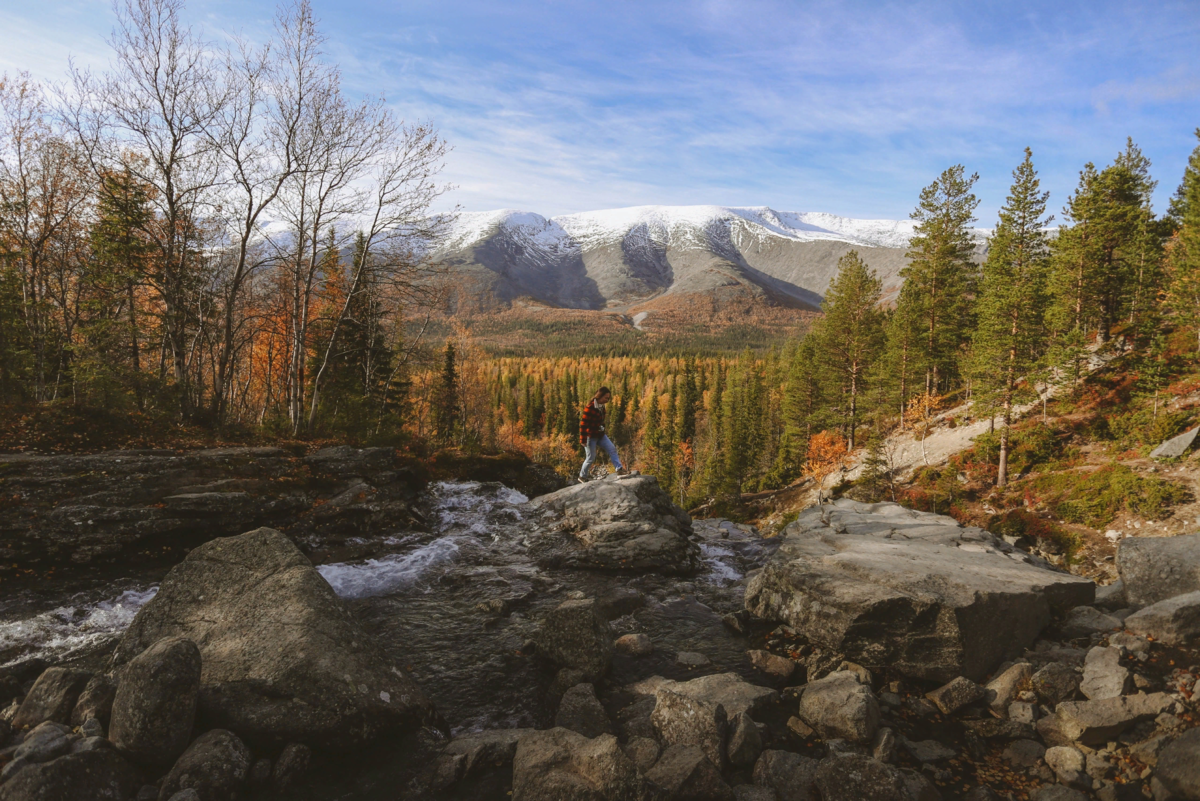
x: 727, y: 689
x: 558, y: 764
x: 1097, y: 722
x: 1157, y: 568
x: 290, y: 767
x: 155, y: 703
x: 581, y: 712
x: 685, y: 774
x: 100, y: 775
x: 1001, y: 690
x: 916, y: 592
x: 778, y: 669
x: 620, y: 602
x: 854, y: 778
x: 791, y: 776
x: 950, y: 698
x: 1103, y: 674
x: 1055, y: 683
x: 928, y: 750
x: 745, y: 743
x: 1069, y: 766
x: 626, y: 524
x: 1175, y: 621
x: 482, y: 750
x: 52, y: 697
x: 1179, y: 766
x: 1024, y: 753
x: 691, y: 659
x: 643, y: 752
x: 214, y: 765
x: 683, y: 720
x: 573, y: 635
x: 284, y: 660
x: 95, y: 701
x: 1084, y: 621
x: 45, y: 742
x: 838, y: 706
x: 634, y: 645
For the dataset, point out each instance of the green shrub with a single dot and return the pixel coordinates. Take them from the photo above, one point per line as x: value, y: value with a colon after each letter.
x: 1094, y: 499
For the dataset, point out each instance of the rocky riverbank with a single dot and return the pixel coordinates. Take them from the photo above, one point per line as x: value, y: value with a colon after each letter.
x: 595, y: 643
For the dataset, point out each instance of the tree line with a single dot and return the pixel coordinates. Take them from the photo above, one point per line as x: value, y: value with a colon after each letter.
x: 212, y: 231
x: 994, y: 322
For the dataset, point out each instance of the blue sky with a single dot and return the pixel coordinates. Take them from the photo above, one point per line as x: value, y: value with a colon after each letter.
x: 845, y: 107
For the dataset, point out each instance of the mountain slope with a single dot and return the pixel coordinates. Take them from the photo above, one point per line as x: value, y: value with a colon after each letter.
x: 650, y: 257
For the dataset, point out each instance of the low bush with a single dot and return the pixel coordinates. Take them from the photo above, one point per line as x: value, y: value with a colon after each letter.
x: 1095, y: 498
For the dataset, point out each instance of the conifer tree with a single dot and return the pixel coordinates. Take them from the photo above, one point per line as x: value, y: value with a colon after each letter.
x: 1012, y: 299
x: 941, y: 271
x: 897, y: 372
x: 1183, y: 252
x: 446, y: 408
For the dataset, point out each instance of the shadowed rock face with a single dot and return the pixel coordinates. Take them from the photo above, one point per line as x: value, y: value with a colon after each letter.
x: 1157, y: 568
x: 914, y: 591
x: 282, y: 658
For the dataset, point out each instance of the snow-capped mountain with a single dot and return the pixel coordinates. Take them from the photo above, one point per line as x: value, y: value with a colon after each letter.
x: 649, y: 255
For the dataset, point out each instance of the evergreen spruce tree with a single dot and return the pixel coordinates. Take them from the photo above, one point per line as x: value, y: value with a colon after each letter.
x: 1183, y: 251
x: 898, y: 371
x: 1010, y: 333
x: 446, y: 417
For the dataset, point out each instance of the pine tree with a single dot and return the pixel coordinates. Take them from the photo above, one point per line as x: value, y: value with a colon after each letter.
x: 1183, y: 251
x: 1009, y: 336
x: 851, y: 333
x: 942, y: 271
x: 903, y: 359
x: 446, y: 405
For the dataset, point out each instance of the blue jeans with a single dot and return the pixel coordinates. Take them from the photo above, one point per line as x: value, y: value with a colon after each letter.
x: 609, y: 448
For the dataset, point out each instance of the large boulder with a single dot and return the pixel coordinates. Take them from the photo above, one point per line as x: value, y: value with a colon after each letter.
x: 791, y: 776
x: 99, y: 775
x: 52, y: 697
x: 1154, y: 569
x: 855, y: 778
x: 1175, y: 621
x: 727, y: 689
x: 683, y: 773
x: 283, y: 659
x: 682, y: 720
x: 573, y: 635
x: 562, y: 765
x: 1179, y: 766
x: 839, y: 707
x: 911, y: 591
x: 1097, y: 722
x: 155, y: 704
x: 214, y: 765
x: 580, y: 711
x: 625, y: 523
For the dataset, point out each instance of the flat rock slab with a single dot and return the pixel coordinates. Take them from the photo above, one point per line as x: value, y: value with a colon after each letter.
x: 913, y: 591
x: 1157, y: 568
x: 1175, y: 621
x: 1097, y: 722
x: 1176, y: 446
x: 727, y: 689
x: 626, y: 524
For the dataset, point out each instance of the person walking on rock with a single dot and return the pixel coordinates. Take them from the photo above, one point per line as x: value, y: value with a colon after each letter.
x: 592, y: 436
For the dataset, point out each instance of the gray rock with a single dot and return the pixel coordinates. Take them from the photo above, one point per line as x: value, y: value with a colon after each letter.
x: 1103, y: 674
x: 1111, y: 596
x: 1001, y: 690
x: 284, y: 660
x: 643, y: 752
x: 45, y: 742
x: 215, y: 765
x: 148, y: 793
x: 634, y: 645
x: 91, y: 728
x: 1179, y: 766
x: 1069, y: 766
x: 884, y: 747
x: 1098, y: 766
x: 1147, y: 751
x: 727, y: 689
x: 629, y: 524
x: 1024, y: 753
x: 52, y: 697
x: 1157, y: 568
x: 259, y: 777
x: 580, y: 711
x: 928, y: 750
x: 982, y: 793
x: 290, y: 767
x: 1055, y: 683
x: 189, y: 794
x: 838, y: 706
x: 1176, y: 446
x: 691, y: 659
x: 1175, y: 621
x: 854, y: 778
x: 791, y: 776
x: 779, y: 669
x: 992, y: 729
x: 155, y: 704
x: 684, y: 773
x: 684, y: 720
x: 960, y: 692
x: 912, y: 591
x: 1130, y: 642
x: 1084, y: 621
x: 95, y: 701
x: 1058, y: 792
x: 750, y: 792
x: 1095, y: 723
x: 100, y: 775
x: 1023, y: 712
x: 619, y: 602
x: 920, y: 788
x: 745, y: 743
x: 574, y: 635
x: 557, y: 765
x: 89, y: 744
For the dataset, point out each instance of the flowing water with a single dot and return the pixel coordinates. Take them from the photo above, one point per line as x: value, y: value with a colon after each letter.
x: 455, y: 605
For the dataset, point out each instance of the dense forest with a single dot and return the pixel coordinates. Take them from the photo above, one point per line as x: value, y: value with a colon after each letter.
x: 217, y: 236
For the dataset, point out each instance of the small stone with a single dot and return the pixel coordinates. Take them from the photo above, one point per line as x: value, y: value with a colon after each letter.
x: 691, y: 659
x: 1002, y: 689
x: 952, y: 697
x: 91, y: 728
x: 1024, y: 753
x: 1022, y: 712
x: 1069, y: 765
x: 928, y: 750
x: 1055, y: 683
x: 1103, y: 674
x: 745, y: 744
x: 839, y: 706
x: 884, y: 747
x: 778, y: 668
x: 799, y: 728
x: 634, y: 645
